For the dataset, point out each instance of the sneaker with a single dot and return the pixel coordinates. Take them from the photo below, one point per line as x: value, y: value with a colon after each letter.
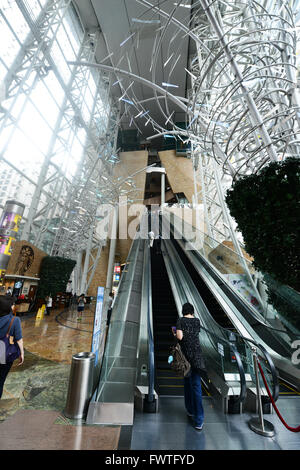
x: 199, y: 428
x: 190, y: 415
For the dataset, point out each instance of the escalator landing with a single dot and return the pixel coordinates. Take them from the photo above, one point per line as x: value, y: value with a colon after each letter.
x: 171, y: 429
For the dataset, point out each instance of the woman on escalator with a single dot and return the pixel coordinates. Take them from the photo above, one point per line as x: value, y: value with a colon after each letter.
x: 187, y: 332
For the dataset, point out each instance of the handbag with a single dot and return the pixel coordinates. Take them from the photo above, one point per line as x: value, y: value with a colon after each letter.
x: 8, y: 352
x: 180, y: 365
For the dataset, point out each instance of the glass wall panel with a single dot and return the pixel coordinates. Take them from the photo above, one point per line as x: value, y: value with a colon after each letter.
x: 42, y: 137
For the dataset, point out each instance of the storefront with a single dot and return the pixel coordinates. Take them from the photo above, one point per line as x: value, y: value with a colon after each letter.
x: 23, y: 288
x: 22, y: 274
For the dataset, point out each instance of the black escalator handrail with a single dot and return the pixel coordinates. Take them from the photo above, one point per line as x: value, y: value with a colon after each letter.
x: 275, y: 382
x: 151, y: 363
x: 239, y: 299
x: 239, y: 363
x: 104, y: 355
x: 211, y: 333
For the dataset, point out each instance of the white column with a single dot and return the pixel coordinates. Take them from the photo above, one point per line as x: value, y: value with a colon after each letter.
x: 163, y: 188
x: 86, y: 262
x: 112, y: 249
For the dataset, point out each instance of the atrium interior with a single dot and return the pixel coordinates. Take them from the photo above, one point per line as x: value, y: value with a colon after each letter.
x: 119, y: 118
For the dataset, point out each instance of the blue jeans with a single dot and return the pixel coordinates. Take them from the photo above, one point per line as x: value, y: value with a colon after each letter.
x: 193, y: 397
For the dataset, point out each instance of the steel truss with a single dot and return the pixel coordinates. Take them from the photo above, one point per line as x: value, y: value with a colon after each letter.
x: 63, y: 209
x: 245, y: 90
x: 242, y: 112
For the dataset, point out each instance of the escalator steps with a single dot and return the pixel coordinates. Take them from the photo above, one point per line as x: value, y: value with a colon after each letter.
x: 168, y: 383
x: 287, y: 390
x: 164, y: 317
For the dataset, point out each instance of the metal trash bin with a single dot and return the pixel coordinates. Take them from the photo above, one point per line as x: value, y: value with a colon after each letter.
x: 80, y: 385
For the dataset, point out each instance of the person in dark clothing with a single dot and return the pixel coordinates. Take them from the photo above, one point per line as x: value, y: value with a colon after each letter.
x: 81, y: 301
x: 187, y: 333
x: 6, y: 315
x: 158, y: 244
x: 109, y: 307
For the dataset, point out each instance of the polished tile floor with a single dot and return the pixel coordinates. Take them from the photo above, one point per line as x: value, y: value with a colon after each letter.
x: 34, y: 397
x: 171, y: 429
x: 31, y: 408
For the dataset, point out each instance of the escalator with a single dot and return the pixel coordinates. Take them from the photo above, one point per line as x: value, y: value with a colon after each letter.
x: 209, y: 299
x: 164, y: 316
x: 285, y: 389
x: 229, y: 371
x: 226, y: 377
x: 151, y: 293
x: 241, y: 315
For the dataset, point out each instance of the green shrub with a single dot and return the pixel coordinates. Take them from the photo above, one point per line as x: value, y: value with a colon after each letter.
x: 54, y: 275
x: 266, y: 207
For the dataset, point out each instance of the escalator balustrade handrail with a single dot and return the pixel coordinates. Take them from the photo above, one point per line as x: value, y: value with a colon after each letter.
x: 151, y: 363
x: 239, y: 362
x: 103, y: 367
x: 267, y: 357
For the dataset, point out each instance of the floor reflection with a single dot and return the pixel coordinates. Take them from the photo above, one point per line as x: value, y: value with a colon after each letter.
x: 42, y: 381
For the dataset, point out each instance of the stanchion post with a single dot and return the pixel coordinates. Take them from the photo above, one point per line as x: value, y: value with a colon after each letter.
x: 260, y: 425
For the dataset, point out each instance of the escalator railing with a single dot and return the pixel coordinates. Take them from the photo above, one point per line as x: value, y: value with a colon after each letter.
x: 150, y: 397
x: 220, y: 264
x: 128, y: 359
x: 217, y: 348
x: 145, y: 356
x: 113, y: 400
x: 250, y: 323
x: 225, y: 350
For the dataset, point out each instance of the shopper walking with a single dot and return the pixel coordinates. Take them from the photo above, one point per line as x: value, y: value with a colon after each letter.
x: 48, y: 304
x: 9, y: 291
x: 151, y: 237
x: 15, y: 332
x: 109, y: 307
x: 187, y: 332
x: 81, y: 301
x: 158, y: 244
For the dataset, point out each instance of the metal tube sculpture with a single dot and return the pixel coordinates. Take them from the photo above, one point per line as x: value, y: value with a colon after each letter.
x: 242, y: 109
x: 242, y: 105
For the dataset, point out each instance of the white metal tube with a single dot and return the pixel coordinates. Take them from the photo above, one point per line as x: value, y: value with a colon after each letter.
x: 112, y: 248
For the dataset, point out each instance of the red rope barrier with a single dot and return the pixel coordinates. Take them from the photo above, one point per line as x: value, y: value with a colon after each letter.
x: 273, y: 403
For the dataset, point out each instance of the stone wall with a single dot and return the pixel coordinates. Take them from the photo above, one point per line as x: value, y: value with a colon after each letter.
x: 179, y: 171
x: 100, y: 275
x: 225, y: 259
x: 130, y: 162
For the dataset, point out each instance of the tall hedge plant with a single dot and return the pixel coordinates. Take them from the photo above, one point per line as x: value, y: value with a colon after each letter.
x: 54, y: 275
x: 266, y: 207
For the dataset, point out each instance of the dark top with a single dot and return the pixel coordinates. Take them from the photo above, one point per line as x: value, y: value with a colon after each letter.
x: 190, y: 343
x: 15, y: 331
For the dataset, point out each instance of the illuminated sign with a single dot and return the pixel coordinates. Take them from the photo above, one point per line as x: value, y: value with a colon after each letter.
x: 9, y: 226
